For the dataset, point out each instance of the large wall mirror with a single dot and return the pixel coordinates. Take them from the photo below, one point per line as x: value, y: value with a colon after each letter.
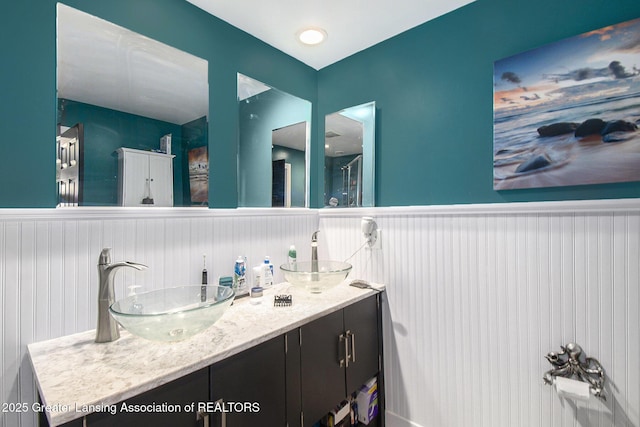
x: 273, y: 146
x: 132, y: 117
x: 349, y: 157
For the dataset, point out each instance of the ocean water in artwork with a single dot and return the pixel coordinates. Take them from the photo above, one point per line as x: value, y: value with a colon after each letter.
x: 568, y: 113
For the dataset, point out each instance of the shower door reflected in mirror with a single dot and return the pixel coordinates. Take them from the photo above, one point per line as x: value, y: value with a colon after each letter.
x: 349, y: 157
x: 131, y: 92
x: 273, y: 146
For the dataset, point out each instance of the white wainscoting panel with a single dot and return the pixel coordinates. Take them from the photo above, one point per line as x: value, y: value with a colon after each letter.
x: 49, y: 279
x: 477, y: 296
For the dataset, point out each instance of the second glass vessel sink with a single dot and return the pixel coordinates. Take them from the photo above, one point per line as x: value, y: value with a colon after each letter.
x: 172, y: 314
x: 327, y: 274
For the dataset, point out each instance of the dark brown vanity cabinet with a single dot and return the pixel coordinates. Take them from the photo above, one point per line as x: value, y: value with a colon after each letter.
x: 169, y: 405
x: 248, y: 389
x: 338, y: 354
x: 292, y: 380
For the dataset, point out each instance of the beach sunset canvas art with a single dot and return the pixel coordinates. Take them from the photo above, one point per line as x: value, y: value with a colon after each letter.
x: 567, y: 113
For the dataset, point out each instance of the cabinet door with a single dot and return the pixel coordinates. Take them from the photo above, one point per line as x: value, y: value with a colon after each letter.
x: 361, y: 324
x: 43, y: 421
x: 251, y: 386
x: 193, y: 388
x: 161, y: 176
x: 293, y: 379
x: 322, y: 377
x: 134, y: 178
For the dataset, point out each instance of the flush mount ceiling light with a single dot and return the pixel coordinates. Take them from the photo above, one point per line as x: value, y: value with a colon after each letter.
x: 312, y: 36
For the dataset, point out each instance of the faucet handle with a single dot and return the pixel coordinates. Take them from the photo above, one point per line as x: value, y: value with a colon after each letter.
x: 105, y: 257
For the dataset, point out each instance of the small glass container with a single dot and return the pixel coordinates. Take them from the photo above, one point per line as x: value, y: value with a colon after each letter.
x: 256, y: 295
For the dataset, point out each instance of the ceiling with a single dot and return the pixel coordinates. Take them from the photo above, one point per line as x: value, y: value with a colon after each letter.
x: 103, y: 64
x: 343, y: 135
x: 292, y: 136
x: 351, y: 25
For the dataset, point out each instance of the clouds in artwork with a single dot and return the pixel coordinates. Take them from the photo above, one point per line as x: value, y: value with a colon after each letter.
x: 511, y: 77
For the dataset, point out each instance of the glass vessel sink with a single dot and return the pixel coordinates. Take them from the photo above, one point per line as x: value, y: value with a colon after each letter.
x: 172, y: 314
x: 328, y: 274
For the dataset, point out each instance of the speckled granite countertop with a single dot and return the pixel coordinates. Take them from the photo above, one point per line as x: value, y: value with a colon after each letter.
x: 73, y: 372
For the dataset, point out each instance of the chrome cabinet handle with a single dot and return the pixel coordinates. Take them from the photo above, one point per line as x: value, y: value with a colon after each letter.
x: 353, y: 346
x: 344, y: 361
x: 223, y: 414
x: 201, y: 415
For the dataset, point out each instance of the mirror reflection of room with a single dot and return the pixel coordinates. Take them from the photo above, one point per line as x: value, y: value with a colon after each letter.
x: 137, y: 110
x: 349, y: 157
x: 273, y: 146
x: 288, y: 169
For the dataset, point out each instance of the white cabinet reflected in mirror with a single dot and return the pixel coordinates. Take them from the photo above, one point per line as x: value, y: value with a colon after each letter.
x: 273, y: 146
x: 349, y: 172
x: 144, y: 178
x: 126, y: 91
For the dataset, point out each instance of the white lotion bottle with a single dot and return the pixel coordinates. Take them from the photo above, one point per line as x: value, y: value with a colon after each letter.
x: 292, y: 254
x: 267, y: 273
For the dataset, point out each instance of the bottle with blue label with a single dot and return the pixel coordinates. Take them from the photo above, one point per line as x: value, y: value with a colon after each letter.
x: 240, y: 274
x: 267, y: 261
x: 267, y: 275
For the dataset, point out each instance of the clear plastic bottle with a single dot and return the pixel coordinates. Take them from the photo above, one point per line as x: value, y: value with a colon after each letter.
x: 240, y: 274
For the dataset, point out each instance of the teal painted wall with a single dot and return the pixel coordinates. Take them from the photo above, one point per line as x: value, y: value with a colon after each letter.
x: 432, y: 86
x: 105, y: 131
x: 434, y: 97
x: 28, y: 34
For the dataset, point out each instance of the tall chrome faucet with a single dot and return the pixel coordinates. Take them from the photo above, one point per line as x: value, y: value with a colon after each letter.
x: 107, y: 330
x: 314, y: 252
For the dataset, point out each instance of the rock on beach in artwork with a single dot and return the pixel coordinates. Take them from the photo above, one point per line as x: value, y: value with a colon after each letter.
x: 556, y: 129
x: 590, y: 127
x: 618, y: 126
x: 610, y: 131
x: 536, y: 162
x: 586, y: 128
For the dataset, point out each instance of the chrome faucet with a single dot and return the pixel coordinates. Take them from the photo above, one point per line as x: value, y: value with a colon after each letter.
x: 314, y: 252
x: 107, y: 330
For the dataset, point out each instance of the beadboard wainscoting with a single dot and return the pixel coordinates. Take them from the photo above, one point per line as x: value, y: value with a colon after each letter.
x: 48, y: 268
x: 477, y: 295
